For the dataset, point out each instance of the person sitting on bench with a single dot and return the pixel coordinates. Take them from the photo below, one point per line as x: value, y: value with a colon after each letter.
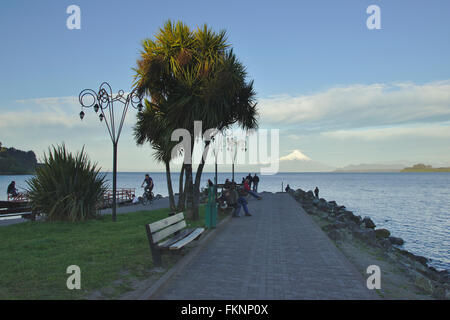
x: 227, y: 184
x: 12, y: 191
x: 229, y: 196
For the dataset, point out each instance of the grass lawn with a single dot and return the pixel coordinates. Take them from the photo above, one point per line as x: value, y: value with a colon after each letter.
x: 35, y: 255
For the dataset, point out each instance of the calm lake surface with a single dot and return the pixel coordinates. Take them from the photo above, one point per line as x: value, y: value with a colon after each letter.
x: 413, y: 206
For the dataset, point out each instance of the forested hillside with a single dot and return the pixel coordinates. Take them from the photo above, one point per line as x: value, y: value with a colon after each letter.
x: 13, y: 161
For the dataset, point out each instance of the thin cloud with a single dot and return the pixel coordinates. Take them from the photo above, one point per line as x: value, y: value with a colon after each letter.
x: 434, y: 132
x: 55, y: 111
x: 361, y: 106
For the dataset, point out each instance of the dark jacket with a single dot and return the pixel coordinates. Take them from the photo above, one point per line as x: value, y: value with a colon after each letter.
x: 11, y: 189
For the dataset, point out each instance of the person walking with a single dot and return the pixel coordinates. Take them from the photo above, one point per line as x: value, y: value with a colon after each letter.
x: 241, y: 203
x: 255, y: 183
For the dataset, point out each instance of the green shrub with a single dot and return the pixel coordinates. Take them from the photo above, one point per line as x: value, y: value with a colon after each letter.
x: 66, y: 187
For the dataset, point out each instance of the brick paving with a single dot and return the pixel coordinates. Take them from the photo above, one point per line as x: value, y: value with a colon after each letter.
x: 278, y: 253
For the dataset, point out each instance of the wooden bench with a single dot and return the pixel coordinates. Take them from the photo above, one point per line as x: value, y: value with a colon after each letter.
x: 15, y: 208
x: 169, y: 234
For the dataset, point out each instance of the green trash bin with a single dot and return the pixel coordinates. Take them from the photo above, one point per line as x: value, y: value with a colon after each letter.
x: 211, y: 209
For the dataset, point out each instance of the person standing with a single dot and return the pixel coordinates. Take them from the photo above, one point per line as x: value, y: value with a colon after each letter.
x: 255, y: 182
x: 249, y: 179
x: 316, y: 192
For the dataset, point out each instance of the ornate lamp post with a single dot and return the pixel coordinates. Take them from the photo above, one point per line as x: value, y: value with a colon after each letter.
x: 103, y: 104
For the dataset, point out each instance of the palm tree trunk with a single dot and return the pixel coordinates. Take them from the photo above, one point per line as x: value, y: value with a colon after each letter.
x: 189, y: 193
x: 181, y: 197
x: 169, y: 186
x: 184, y: 191
x: 196, y: 191
x: 198, y: 178
x: 189, y: 188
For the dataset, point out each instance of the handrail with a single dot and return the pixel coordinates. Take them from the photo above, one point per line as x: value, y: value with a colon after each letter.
x: 21, y: 197
x: 122, y: 195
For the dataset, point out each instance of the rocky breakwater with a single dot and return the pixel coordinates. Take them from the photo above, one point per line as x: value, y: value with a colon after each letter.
x: 341, y: 224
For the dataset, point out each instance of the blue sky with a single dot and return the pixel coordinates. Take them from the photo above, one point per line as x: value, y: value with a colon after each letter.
x: 339, y: 92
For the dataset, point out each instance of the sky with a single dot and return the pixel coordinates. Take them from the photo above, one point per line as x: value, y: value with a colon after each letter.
x: 338, y: 92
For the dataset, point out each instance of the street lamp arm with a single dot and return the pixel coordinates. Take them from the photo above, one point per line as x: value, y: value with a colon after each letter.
x: 103, y: 101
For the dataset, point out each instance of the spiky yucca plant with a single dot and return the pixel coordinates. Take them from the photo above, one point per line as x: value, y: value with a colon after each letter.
x: 66, y: 187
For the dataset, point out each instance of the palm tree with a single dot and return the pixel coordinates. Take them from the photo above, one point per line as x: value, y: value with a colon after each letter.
x: 194, y: 75
x: 150, y: 128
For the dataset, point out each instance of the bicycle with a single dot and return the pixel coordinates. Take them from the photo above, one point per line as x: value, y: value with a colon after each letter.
x: 147, y: 198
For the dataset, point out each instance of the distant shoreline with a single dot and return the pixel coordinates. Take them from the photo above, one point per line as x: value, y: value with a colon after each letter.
x: 437, y: 170
x: 367, y: 171
x: 16, y: 174
x: 406, y: 170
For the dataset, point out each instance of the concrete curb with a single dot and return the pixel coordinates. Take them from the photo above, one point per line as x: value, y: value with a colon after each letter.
x: 152, y: 292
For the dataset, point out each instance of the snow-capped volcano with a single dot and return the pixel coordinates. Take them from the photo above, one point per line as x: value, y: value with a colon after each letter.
x: 297, y: 161
x: 296, y: 155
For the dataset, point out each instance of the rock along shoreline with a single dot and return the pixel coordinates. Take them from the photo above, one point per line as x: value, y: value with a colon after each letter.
x: 342, y: 224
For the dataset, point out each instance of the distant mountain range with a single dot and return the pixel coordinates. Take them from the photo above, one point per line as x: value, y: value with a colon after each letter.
x: 420, y: 167
x: 296, y: 161
x: 371, y: 167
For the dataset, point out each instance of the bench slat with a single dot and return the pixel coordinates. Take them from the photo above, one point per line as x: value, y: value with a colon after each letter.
x: 187, y: 239
x: 158, y: 225
x: 15, y: 210
x: 15, y: 214
x: 13, y: 204
x: 168, y: 231
x: 183, y: 233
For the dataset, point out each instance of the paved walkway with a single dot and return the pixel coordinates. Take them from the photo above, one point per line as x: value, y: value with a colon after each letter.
x: 156, y: 204
x: 278, y: 253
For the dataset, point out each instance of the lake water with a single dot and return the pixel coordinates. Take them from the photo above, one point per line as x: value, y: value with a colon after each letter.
x: 413, y: 206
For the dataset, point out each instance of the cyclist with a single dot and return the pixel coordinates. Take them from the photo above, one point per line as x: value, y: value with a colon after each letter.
x: 148, y: 185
